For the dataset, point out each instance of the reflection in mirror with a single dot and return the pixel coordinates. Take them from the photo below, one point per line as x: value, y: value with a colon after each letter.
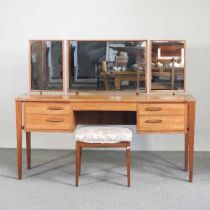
x: 46, y: 65
x: 107, y: 65
x: 168, y: 65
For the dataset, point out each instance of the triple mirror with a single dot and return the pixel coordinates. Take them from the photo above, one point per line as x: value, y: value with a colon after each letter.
x: 46, y: 64
x: 107, y: 65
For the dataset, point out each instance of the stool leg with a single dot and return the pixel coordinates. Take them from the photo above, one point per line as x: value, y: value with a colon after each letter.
x: 77, y: 162
x: 80, y: 151
x: 128, y: 163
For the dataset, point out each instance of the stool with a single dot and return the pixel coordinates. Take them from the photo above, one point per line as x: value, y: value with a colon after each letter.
x: 101, y: 136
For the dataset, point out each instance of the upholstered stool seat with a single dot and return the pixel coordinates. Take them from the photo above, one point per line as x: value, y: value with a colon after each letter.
x: 102, y: 136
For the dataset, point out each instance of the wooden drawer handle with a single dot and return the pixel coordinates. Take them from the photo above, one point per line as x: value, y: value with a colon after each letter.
x: 54, y: 120
x: 55, y: 108
x: 153, y: 121
x: 153, y: 109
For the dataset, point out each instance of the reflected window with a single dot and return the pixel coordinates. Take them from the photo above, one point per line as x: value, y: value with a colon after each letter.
x: 167, y: 65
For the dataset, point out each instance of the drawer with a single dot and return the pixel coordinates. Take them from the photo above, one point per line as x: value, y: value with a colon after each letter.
x: 161, y: 109
x: 161, y: 123
x: 47, y: 108
x: 48, y: 122
x: 105, y: 106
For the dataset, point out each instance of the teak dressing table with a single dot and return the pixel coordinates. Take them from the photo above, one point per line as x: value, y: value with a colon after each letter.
x: 156, y: 106
x: 151, y: 113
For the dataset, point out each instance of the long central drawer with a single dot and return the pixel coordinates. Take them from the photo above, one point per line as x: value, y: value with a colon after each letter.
x: 104, y: 106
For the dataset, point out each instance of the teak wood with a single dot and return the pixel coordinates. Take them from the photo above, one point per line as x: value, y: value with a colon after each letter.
x: 151, y: 113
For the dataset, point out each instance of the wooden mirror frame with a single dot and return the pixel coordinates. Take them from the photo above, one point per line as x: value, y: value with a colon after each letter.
x: 184, y: 73
x: 30, y: 67
x: 105, y: 40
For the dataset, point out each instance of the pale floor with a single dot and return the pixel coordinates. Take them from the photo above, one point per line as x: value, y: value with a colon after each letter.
x: 158, y: 181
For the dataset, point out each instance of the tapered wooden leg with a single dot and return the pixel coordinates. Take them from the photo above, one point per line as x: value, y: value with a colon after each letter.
x: 19, y: 137
x: 77, y: 162
x: 19, y: 156
x: 186, y: 152
x: 191, y: 138
x: 191, y: 156
x: 80, y: 152
x: 28, y: 149
x: 128, y: 163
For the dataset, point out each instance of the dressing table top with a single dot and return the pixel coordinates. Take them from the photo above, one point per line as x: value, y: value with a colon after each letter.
x: 106, y: 97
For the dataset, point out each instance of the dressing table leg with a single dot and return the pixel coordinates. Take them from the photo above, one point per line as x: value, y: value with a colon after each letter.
x: 186, y: 152
x: 191, y: 122
x: 28, y: 149
x: 191, y: 155
x: 19, y: 137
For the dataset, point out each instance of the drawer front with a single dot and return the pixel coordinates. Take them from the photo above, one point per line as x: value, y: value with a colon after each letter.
x: 47, y: 108
x: 48, y: 122
x: 161, y: 123
x: 105, y: 106
x: 161, y: 109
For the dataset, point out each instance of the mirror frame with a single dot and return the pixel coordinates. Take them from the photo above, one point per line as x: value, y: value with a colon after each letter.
x: 68, y: 42
x: 150, y: 73
x: 30, y: 67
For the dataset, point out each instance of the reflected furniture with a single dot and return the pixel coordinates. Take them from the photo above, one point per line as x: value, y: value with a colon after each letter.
x: 127, y: 76
x: 105, y: 75
x: 103, y: 137
x: 120, y: 76
x: 150, y: 113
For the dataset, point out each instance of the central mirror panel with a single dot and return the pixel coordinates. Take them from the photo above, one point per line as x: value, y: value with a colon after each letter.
x: 46, y: 65
x: 107, y: 65
x: 168, y: 65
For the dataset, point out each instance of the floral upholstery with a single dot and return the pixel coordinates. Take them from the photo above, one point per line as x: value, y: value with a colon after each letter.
x: 102, y: 134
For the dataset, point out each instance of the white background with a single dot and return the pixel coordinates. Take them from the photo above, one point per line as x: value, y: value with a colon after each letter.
x: 22, y: 20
